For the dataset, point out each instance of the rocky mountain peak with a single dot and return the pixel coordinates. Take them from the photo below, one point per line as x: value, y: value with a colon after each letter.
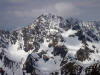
x: 50, y: 45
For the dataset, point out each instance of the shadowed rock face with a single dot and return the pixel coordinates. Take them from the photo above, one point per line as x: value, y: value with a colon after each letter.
x: 92, y: 35
x: 83, y: 54
x: 93, y: 69
x: 80, y: 35
x: 72, y: 69
x: 29, y: 64
x: 60, y: 50
x: 8, y: 63
x: 14, y: 37
x: 2, y: 71
x: 45, y: 58
x: 4, y: 36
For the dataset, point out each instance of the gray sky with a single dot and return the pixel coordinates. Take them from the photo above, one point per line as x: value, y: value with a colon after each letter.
x: 20, y: 12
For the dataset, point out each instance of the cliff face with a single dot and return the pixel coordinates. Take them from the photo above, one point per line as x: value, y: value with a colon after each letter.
x: 51, y: 45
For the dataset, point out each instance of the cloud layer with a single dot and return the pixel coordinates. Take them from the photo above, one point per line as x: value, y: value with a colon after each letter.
x: 24, y: 11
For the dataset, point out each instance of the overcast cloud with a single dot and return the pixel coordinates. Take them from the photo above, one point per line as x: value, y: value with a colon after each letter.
x: 20, y: 12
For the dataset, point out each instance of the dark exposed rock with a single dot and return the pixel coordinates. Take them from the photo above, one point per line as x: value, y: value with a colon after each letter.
x: 55, y: 39
x: 88, y: 39
x: 65, y: 26
x: 80, y: 35
x: 76, y: 27
x: 45, y: 58
x: 83, y: 54
x: 4, y: 36
x: 8, y: 63
x: 36, y: 45
x: 29, y: 65
x: 1, y: 55
x: 27, y: 36
x: 90, y: 33
x: 71, y: 68
x: 14, y: 37
x: 93, y: 69
x: 41, y: 53
x: 71, y: 35
x: 55, y: 73
x: 69, y: 23
x: 2, y: 71
x: 60, y: 50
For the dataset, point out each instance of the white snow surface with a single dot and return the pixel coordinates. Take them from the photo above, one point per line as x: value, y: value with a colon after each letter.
x: 16, y: 54
x: 72, y: 43
x: 69, y: 32
x: 50, y: 66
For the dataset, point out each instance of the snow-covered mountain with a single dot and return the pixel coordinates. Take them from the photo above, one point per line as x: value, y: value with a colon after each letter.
x: 51, y: 45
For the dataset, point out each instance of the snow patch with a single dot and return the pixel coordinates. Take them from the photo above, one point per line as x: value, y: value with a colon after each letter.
x: 67, y: 33
x: 16, y: 54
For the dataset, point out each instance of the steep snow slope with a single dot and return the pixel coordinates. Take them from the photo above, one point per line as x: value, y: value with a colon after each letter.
x: 51, y: 45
